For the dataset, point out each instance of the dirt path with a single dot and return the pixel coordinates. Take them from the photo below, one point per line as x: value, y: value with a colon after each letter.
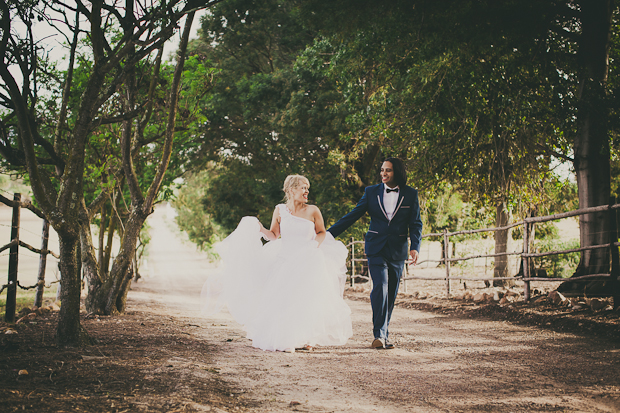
x: 442, y: 362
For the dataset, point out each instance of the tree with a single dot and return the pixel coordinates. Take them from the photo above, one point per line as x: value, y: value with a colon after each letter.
x: 592, y: 140
x: 538, y: 87
x: 108, y: 295
x: 118, y: 39
x: 264, y: 117
x: 474, y: 114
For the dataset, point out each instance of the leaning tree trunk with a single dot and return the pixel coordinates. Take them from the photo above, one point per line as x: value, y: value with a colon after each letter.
x: 591, y: 147
x: 90, y: 267
x: 102, y: 227
x: 115, y: 296
x: 502, y: 238
x: 107, y: 294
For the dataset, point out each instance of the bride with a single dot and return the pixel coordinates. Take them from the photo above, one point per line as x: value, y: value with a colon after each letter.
x: 286, y: 294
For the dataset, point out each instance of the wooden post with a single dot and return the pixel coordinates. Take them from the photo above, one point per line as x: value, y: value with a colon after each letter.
x: 352, y: 261
x: 11, y: 292
x: 615, y: 260
x: 38, y: 298
x: 525, y: 261
x: 446, y: 258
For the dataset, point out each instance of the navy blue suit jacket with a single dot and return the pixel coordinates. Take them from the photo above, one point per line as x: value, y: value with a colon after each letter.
x: 383, y: 232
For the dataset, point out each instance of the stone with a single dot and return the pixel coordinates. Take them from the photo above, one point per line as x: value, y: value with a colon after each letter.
x: 556, y: 298
x: 506, y: 300
x: 597, y: 304
x: 480, y: 297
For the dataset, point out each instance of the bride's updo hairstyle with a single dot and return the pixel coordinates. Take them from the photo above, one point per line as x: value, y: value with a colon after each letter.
x: 291, y: 182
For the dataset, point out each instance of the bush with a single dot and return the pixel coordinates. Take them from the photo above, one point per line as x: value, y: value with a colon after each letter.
x: 557, y: 266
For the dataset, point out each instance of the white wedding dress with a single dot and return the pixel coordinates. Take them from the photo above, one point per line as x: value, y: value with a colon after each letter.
x: 287, y: 293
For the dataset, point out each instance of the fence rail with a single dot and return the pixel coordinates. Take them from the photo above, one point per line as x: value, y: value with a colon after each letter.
x: 525, y: 255
x: 11, y: 286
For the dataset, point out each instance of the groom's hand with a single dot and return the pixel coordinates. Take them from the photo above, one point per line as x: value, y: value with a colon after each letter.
x: 414, y: 257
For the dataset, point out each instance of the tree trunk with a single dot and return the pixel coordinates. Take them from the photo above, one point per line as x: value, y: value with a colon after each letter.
x: 121, y: 299
x: 90, y: 266
x: 69, y: 327
x: 102, y: 237
x: 501, y: 245
x: 109, y: 296
x: 591, y: 146
x: 105, y: 265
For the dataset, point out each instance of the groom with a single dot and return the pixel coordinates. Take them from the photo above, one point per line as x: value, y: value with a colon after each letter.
x: 394, y: 213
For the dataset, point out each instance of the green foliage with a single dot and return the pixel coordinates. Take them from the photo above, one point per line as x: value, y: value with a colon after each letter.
x: 261, y: 117
x: 191, y: 216
x: 558, y: 266
x: 445, y: 209
x: 479, y: 100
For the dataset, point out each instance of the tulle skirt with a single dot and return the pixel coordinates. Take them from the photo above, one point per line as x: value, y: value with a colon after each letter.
x: 285, y: 294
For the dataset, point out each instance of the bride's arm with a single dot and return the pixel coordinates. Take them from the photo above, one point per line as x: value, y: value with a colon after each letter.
x: 274, y: 231
x: 319, y: 225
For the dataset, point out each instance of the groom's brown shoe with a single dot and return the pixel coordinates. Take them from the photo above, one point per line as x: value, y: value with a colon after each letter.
x: 378, y: 343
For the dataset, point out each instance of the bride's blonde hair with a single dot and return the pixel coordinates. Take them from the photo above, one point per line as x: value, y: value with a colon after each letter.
x: 291, y: 182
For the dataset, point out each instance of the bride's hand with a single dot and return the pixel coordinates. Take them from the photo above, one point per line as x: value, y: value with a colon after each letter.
x: 320, y: 237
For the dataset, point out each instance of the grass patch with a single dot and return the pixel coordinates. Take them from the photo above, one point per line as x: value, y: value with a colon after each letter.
x: 25, y: 299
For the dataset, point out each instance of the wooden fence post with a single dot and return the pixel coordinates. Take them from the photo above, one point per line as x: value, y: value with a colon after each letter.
x: 615, y: 260
x: 352, y: 261
x: 446, y: 258
x: 525, y: 261
x: 11, y: 292
x: 38, y: 298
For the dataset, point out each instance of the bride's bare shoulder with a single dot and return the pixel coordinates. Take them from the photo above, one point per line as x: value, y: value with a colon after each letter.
x: 313, y: 209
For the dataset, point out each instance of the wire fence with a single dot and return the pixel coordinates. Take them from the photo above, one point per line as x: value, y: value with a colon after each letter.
x: 13, y: 247
x: 476, y: 260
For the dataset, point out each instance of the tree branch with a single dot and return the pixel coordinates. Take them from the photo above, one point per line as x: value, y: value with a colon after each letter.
x: 173, y: 100
x: 22, y: 204
x: 551, y: 152
x: 62, y: 115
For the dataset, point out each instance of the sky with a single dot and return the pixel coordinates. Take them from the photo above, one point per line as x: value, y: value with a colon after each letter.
x: 53, y: 42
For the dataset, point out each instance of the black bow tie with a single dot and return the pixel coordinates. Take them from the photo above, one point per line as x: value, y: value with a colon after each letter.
x: 388, y: 190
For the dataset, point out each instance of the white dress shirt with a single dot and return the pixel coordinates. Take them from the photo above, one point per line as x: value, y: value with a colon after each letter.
x: 389, y: 201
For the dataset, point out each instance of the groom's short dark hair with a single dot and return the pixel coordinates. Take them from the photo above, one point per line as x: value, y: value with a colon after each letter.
x: 400, y: 174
